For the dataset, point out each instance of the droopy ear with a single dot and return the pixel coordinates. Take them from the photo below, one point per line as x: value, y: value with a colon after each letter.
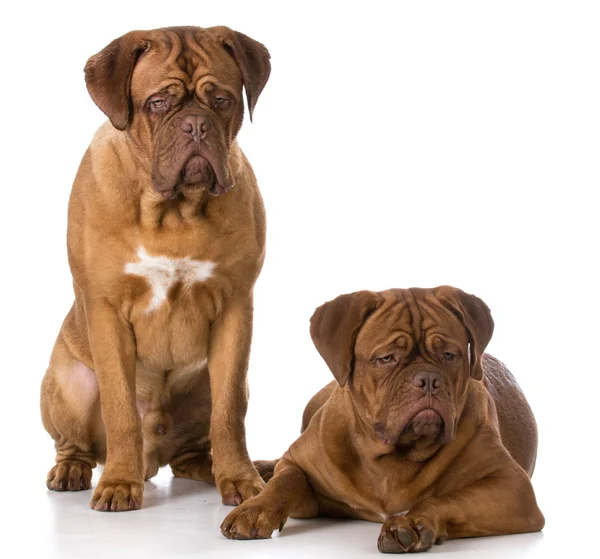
x: 108, y: 76
x: 334, y: 327
x: 476, y: 317
x: 253, y: 60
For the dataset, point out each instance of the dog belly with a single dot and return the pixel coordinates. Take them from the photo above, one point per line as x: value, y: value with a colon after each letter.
x: 172, y: 349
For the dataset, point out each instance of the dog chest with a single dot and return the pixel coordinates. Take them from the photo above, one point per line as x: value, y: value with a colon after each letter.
x: 163, y: 273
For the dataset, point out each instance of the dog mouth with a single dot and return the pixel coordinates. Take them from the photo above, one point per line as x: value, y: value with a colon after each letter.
x: 202, y: 166
x: 197, y: 170
x: 424, y: 422
x: 434, y: 422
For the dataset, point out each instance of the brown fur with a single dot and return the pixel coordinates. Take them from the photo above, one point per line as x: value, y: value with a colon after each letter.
x: 372, y: 445
x: 140, y: 389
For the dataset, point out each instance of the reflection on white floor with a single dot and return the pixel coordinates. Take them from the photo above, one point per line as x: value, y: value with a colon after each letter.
x: 182, y: 518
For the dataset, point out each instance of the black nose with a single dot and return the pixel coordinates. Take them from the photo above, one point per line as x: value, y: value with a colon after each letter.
x: 196, y: 126
x: 428, y: 381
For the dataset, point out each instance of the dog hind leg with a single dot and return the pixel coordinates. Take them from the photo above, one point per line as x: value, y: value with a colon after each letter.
x: 70, y: 410
x: 194, y: 461
x: 265, y: 468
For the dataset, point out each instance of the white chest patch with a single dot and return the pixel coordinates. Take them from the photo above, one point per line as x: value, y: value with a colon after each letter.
x: 162, y: 272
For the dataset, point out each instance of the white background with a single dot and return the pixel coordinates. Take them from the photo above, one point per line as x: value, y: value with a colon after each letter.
x: 396, y: 144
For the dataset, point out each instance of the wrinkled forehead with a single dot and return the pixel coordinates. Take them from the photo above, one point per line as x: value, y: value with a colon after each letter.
x: 186, y: 57
x: 415, y: 313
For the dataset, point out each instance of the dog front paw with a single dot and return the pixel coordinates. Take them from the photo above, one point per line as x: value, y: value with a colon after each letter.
x: 117, y: 495
x: 69, y: 475
x: 253, y: 521
x: 403, y: 534
x: 237, y: 489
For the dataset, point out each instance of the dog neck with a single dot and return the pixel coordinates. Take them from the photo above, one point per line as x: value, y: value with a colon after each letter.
x: 136, y: 197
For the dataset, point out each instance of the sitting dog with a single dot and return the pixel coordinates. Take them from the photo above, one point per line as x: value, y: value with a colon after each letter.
x: 150, y: 364
x: 422, y: 432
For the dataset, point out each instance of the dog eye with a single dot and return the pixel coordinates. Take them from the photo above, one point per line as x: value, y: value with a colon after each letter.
x: 385, y: 359
x: 156, y: 103
x: 221, y: 103
x: 449, y: 356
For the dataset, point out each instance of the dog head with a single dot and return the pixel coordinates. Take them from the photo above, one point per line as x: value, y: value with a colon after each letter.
x: 178, y: 93
x: 406, y: 356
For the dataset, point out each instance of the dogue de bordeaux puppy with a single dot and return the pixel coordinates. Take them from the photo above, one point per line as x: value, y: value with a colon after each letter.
x: 150, y: 364
x: 422, y: 432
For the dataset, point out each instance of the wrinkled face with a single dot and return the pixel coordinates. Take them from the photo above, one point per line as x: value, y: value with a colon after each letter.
x: 406, y: 357
x: 183, y: 99
x: 411, y: 369
x: 187, y: 96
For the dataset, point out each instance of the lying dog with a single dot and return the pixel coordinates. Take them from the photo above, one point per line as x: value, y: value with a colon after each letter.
x: 422, y: 432
x: 150, y: 364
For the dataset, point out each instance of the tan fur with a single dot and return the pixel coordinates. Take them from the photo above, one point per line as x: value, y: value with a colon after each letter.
x: 365, y: 454
x: 140, y: 389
